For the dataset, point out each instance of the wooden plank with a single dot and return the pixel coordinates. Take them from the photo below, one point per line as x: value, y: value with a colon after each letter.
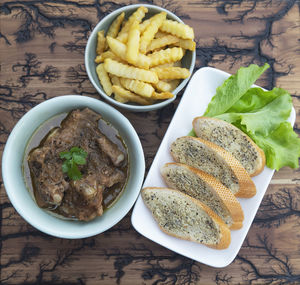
x: 42, y: 56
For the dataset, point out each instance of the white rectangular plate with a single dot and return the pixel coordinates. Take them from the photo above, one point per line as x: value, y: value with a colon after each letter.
x: 198, y: 94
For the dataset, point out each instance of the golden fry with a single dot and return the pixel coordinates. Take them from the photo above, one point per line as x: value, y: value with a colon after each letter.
x: 115, y: 80
x: 127, y: 95
x: 163, y: 95
x: 186, y: 44
x: 115, y: 26
x: 104, y: 79
x: 123, y: 70
x: 122, y: 63
x: 171, y: 72
x: 163, y: 86
x: 101, y: 42
x: 119, y: 48
x: 132, y: 51
x: 138, y: 87
x: 98, y: 59
x: 151, y: 30
x: 177, y: 29
x: 107, y: 54
x: 169, y: 64
x: 165, y: 56
x: 144, y: 25
x: 174, y: 83
x: 160, y: 34
x: 138, y: 15
x: 121, y: 99
x: 177, y: 63
x: 162, y: 42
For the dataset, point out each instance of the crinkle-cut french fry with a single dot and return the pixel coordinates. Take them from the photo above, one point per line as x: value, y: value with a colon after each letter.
x: 98, y: 59
x: 138, y: 15
x: 132, y: 51
x: 171, y: 72
x: 115, y: 80
x: 127, y: 95
x: 107, y: 54
x: 169, y: 64
x: 119, y: 48
x: 163, y: 95
x: 165, y: 56
x: 160, y: 34
x: 139, y: 87
x: 104, y: 79
x: 121, y: 99
x: 177, y: 29
x: 163, y: 86
x: 123, y: 70
x: 162, y: 42
x: 174, y: 83
x: 144, y: 25
x: 177, y: 63
x: 151, y: 30
x: 186, y: 44
x: 115, y: 26
x: 101, y: 42
x: 123, y: 37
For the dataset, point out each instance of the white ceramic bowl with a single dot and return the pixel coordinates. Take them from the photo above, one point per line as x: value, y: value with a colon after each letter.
x: 188, y: 61
x: 14, y: 182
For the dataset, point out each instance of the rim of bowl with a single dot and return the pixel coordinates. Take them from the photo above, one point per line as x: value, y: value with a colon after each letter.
x: 71, y: 102
x: 135, y: 108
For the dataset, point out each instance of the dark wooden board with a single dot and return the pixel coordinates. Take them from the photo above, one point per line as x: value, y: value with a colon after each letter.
x: 42, y: 56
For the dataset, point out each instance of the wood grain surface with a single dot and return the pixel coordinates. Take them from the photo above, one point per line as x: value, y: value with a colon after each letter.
x: 42, y: 56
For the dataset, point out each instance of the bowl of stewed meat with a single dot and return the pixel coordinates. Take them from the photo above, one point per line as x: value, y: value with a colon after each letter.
x: 73, y: 166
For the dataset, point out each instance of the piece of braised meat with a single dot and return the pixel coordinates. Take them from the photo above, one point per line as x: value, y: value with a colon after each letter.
x: 49, y: 183
x: 80, y: 199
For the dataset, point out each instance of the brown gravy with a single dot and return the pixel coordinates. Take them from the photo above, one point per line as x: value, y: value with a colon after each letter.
x: 110, y: 194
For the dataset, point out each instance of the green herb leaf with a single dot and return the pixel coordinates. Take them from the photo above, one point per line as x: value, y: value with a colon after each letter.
x: 74, y: 173
x: 65, y: 154
x: 65, y: 166
x: 75, y: 156
x: 79, y: 158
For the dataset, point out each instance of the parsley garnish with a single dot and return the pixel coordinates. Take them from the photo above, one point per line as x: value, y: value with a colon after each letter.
x: 75, y: 156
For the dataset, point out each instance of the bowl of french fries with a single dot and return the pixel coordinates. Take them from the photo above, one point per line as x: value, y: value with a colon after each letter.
x: 140, y: 56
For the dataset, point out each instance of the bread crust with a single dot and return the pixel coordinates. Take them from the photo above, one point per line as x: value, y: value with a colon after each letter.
x: 225, y: 235
x: 261, y: 155
x: 226, y: 196
x: 247, y: 187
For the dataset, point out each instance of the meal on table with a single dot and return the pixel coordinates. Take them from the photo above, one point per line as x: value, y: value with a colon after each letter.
x: 243, y: 129
x: 140, y: 61
x: 77, y: 171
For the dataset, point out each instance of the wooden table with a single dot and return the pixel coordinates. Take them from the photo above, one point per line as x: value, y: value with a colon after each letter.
x: 42, y: 56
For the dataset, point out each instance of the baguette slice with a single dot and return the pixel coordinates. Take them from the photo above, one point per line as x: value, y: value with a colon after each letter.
x: 184, y: 217
x: 233, y: 140
x: 206, y: 189
x: 214, y: 160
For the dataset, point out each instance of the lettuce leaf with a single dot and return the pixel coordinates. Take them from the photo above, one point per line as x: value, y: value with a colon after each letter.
x: 281, y: 147
x: 233, y: 89
x: 264, y: 120
x: 260, y: 114
x: 192, y: 133
x: 255, y: 98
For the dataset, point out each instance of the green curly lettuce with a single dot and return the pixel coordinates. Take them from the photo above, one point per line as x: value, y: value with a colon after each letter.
x: 260, y: 114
